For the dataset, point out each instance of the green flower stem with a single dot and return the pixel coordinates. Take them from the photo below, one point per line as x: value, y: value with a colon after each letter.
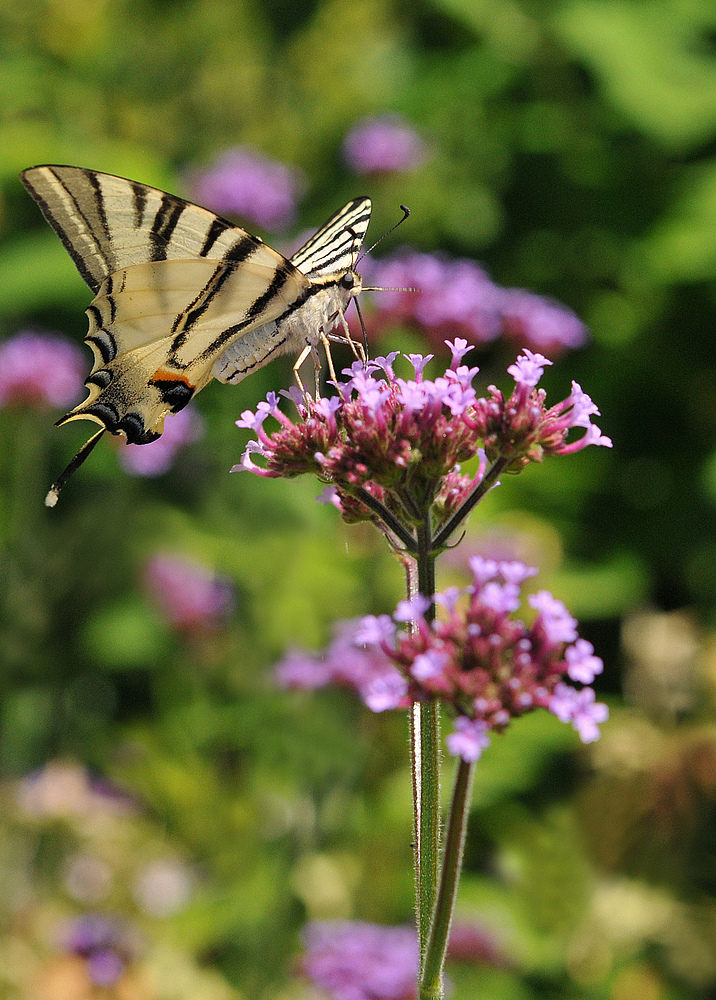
x: 486, y: 484
x: 426, y: 766
x: 431, y: 987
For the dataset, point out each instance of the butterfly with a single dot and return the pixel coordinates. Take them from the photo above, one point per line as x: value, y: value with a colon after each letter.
x: 183, y: 296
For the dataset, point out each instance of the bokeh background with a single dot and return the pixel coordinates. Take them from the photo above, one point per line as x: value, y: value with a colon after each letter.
x: 170, y: 819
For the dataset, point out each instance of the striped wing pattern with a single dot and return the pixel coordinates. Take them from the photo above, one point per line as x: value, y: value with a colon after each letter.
x: 177, y: 288
x: 107, y: 223
x: 334, y: 248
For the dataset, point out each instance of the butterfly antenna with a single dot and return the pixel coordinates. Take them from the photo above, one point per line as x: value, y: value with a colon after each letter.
x: 406, y: 213
x: 82, y: 454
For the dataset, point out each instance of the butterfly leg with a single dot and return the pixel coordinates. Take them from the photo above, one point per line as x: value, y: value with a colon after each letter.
x: 355, y: 347
x: 329, y: 358
x: 299, y: 361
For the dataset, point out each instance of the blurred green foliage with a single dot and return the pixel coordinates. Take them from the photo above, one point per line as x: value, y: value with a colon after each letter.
x: 572, y: 152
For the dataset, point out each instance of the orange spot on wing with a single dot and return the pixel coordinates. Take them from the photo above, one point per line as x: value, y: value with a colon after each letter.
x: 161, y: 376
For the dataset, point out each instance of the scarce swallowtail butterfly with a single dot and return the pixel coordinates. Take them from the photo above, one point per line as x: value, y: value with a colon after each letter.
x: 183, y: 296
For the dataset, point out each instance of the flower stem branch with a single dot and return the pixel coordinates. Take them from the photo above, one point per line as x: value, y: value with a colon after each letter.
x: 386, y: 517
x: 434, y: 956
x: 483, y: 487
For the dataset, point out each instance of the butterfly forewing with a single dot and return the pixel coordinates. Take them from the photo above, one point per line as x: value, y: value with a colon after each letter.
x: 107, y: 223
x: 334, y: 248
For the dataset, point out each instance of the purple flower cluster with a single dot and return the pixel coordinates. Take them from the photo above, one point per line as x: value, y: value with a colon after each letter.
x: 40, y: 370
x: 399, y: 438
x: 458, y: 298
x: 346, y: 663
x: 486, y: 665
x: 103, y: 944
x: 383, y: 144
x: 243, y: 182
x: 190, y: 597
x: 359, y: 961
x: 157, y: 457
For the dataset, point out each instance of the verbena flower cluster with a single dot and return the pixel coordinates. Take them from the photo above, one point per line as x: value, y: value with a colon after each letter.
x: 383, y: 144
x: 248, y: 184
x: 40, y: 370
x: 458, y: 298
x: 475, y: 657
x: 402, y: 441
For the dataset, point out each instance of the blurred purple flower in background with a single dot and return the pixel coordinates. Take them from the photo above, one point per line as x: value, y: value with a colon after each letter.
x: 40, y: 370
x: 190, y: 597
x: 157, y: 457
x: 102, y: 943
x: 383, y: 144
x: 246, y: 183
x: 359, y: 961
x: 458, y: 298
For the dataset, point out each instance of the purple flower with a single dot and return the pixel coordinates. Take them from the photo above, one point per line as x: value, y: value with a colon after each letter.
x: 245, y: 183
x: 484, y: 664
x: 359, y: 961
x: 391, y: 436
x: 529, y: 368
x: 583, y: 664
x: 157, y: 457
x: 542, y: 322
x: 103, y: 943
x: 383, y: 144
x: 445, y: 297
x: 40, y: 370
x: 192, y: 598
x: 349, y: 662
x: 579, y: 708
x: 468, y: 740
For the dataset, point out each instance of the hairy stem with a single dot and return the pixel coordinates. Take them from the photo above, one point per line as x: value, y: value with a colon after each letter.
x: 427, y: 739
x: 430, y: 987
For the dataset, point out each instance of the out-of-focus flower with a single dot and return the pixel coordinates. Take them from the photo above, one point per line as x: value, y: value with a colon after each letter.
x: 383, y: 144
x: 380, y: 684
x: 472, y: 943
x: 87, y: 879
x: 243, y: 182
x: 40, y: 370
x: 458, y: 298
x: 487, y: 666
x: 157, y: 457
x: 359, y: 961
x: 163, y: 888
x: 192, y: 598
x: 62, y: 789
x: 104, y: 944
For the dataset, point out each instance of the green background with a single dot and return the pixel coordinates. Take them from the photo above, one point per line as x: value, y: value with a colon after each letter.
x: 572, y: 149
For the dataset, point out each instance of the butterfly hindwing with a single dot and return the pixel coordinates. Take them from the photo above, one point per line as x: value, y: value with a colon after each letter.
x: 157, y: 328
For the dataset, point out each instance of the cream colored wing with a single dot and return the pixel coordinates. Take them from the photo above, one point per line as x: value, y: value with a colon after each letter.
x: 108, y: 223
x: 156, y: 329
